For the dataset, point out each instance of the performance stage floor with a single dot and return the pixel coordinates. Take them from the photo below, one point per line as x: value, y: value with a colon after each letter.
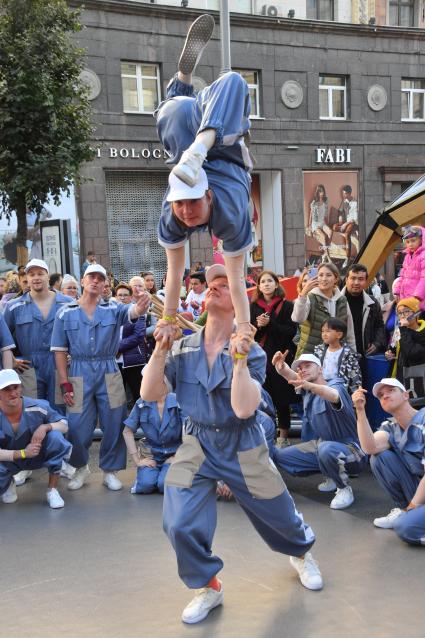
x: 103, y: 568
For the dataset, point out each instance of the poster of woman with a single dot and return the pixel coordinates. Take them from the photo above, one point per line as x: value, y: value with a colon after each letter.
x: 331, y: 216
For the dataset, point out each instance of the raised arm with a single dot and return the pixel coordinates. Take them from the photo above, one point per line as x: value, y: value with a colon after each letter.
x: 371, y: 442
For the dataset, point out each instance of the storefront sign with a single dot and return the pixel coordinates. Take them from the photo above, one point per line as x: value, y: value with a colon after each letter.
x: 144, y: 152
x: 56, y: 245
x: 326, y: 155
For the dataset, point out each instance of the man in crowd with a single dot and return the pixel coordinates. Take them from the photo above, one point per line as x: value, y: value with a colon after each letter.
x: 335, y: 451
x: 90, y: 259
x: 397, y: 459
x: 31, y: 437
x: 88, y: 329
x: 369, y: 327
x: 55, y: 282
x: 196, y: 296
x: 222, y: 441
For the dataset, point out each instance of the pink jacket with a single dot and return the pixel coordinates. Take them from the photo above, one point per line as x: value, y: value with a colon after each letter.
x: 412, y: 275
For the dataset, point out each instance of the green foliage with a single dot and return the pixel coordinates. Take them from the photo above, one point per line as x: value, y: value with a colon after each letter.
x: 45, y: 124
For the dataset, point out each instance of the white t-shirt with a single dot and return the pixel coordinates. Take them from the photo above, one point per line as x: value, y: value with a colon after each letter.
x: 192, y: 296
x: 330, y: 364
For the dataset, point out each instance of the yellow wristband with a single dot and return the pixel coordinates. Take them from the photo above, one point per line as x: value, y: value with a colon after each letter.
x: 23, y: 455
x: 170, y: 318
x: 237, y: 355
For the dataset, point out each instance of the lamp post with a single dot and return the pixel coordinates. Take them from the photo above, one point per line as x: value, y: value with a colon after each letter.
x: 226, y: 64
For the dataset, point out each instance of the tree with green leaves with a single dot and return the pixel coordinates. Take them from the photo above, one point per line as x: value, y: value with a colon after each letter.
x: 45, y: 119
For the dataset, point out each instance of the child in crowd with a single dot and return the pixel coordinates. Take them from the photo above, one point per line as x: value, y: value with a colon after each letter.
x: 411, y: 281
x: 161, y: 422
x: 337, y: 358
x: 209, y: 186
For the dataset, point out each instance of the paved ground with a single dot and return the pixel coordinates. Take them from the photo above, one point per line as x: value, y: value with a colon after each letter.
x: 102, y: 568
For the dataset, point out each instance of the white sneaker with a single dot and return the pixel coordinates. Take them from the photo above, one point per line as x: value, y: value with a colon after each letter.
x: 79, y: 478
x: 387, y: 522
x: 22, y: 476
x: 308, y: 571
x: 328, y: 485
x: 343, y: 498
x: 199, y: 608
x: 10, y: 495
x: 54, y: 499
x: 191, y: 163
x: 67, y: 471
x: 111, y: 481
x: 197, y: 38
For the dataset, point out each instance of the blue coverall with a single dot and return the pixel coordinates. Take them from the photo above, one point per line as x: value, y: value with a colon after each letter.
x: 33, y: 335
x: 399, y: 471
x: 55, y: 447
x: 163, y: 437
x: 225, y: 107
x: 6, y: 339
x: 97, y: 382
x: 335, y: 450
x: 219, y: 446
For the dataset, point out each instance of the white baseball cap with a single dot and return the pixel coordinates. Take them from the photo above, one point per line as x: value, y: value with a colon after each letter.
x: 37, y: 263
x: 95, y: 268
x: 306, y: 357
x: 179, y: 190
x: 214, y: 271
x: 395, y: 383
x: 8, y: 377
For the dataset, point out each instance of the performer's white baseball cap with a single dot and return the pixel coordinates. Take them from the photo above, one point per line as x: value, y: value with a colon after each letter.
x: 8, y: 377
x: 37, y: 263
x: 179, y: 190
x: 395, y: 383
x: 306, y: 357
x: 214, y: 271
x: 95, y: 268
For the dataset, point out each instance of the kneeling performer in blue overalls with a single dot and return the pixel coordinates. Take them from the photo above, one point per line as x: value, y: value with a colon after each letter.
x: 221, y: 440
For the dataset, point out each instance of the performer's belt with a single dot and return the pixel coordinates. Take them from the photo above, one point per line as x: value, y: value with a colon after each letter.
x: 234, y: 424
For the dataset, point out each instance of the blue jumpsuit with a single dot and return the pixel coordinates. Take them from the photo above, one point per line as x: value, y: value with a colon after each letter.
x: 6, y: 339
x: 399, y: 471
x: 225, y: 107
x: 55, y: 447
x: 163, y: 437
x: 33, y: 334
x: 219, y: 446
x: 94, y: 374
x: 335, y: 450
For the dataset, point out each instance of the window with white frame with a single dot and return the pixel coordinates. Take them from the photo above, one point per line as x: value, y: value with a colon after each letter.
x: 252, y: 79
x: 320, y: 10
x: 401, y: 13
x: 332, y: 97
x: 140, y: 87
x: 412, y: 100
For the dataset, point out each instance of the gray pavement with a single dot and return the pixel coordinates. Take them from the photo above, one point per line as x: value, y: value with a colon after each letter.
x: 103, y: 568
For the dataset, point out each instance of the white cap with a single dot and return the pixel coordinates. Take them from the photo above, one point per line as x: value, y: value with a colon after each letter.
x: 395, y: 383
x: 214, y: 271
x: 37, y: 263
x: 95, y: 268
x: 306, y: 357
x: 8, y: 377
x: 179, y: 190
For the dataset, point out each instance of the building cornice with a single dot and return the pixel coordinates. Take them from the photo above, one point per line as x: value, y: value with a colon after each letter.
x: 250, y: 21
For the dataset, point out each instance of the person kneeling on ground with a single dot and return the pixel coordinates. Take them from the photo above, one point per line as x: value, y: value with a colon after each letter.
x: 161, y: 422
x: 31, y: 437
x: 397, y: 459
x: 335, y: 451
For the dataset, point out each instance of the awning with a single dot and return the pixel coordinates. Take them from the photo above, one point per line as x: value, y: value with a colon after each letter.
x: 408, y: 208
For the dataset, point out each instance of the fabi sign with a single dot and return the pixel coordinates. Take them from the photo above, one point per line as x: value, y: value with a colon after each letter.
x: 327, y: 155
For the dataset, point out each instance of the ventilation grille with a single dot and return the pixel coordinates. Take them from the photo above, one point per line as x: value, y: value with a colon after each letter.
x: 133, y: 206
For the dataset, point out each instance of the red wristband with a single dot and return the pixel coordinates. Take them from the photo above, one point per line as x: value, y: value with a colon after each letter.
x: 66, y: 387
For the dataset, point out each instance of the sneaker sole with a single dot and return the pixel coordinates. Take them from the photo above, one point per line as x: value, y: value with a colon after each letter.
x: 197, y: 38
x: 112, y: 489
x: 183, y: 176
x: 326, y: 489
x: 192, y: 621
x: 341, y: 507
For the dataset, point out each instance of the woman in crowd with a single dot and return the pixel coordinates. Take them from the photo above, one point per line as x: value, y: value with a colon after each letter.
x: 149, y: 279
x: 319, y: 299
x: 271, y: 315
x: 409, y: 348
x: 69, y: 287
x: 132, y: 346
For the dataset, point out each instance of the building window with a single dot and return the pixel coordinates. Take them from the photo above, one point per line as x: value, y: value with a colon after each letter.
x: 412, y: 100
x: 252, y: 79
x: 320, y: 10
x: 140, y: 87
x: 402, y: 13
x: 332, y: 97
